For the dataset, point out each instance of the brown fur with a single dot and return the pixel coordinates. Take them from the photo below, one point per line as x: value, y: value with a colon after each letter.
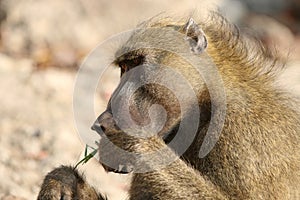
x: 66, y: 183
x: 258, y: 153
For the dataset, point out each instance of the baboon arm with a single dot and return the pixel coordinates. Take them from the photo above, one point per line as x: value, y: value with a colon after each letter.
x: 176, y: 181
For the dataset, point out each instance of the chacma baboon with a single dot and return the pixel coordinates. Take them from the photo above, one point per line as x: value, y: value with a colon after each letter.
x: 257, y: 152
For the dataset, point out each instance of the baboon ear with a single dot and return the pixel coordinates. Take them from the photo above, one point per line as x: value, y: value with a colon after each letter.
x: 195, y: 36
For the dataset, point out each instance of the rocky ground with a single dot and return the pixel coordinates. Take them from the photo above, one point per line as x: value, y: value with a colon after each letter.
x: 42, y: 44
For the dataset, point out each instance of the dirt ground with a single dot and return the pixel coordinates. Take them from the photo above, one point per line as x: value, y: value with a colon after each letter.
x: 42, y: 44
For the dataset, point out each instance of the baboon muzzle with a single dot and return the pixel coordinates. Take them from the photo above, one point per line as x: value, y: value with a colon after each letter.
x: 103, y: 124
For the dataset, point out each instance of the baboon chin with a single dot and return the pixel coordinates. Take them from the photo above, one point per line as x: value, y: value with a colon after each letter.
x: 196, y: 115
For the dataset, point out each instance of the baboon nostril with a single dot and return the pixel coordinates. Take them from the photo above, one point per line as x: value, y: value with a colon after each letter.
x: 104, y: 123
x: 103, y: 128
x: 107, y: 124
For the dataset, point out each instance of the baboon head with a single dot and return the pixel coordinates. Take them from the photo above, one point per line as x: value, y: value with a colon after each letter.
x: 159, y: 87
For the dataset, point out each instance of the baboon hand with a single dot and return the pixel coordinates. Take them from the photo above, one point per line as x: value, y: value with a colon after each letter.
x: 66, y: 183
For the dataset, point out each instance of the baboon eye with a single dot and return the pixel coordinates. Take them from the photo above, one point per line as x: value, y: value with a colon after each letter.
x: 124, y: 67
x: 128, y: 64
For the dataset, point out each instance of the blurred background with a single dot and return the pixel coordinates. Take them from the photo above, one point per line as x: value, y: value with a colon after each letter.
x: 42, y: 44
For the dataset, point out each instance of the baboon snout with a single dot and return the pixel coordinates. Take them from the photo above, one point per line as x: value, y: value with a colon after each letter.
x: 104, y: 122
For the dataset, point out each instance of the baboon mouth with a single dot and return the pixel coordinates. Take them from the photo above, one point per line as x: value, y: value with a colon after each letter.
x: 122, y: 169
x: 127, y: 167
x: 114, y: 163
x: 118, y: 168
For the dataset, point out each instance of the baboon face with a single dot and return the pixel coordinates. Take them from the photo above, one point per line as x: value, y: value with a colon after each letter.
x: 152, y: 89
